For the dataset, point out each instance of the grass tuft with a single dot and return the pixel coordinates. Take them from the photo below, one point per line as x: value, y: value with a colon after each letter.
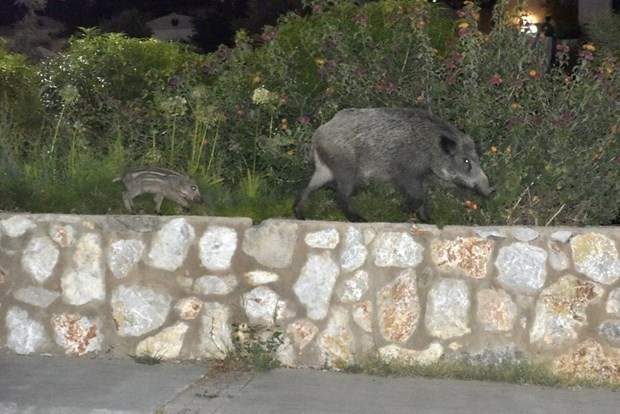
x: 511, y: 372
x: 147, y: 358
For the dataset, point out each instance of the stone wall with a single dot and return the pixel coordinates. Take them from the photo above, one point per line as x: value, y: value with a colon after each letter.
x: 174, y: 286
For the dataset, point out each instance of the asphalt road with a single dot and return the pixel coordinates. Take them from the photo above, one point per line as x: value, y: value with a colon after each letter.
x: 54, y: 385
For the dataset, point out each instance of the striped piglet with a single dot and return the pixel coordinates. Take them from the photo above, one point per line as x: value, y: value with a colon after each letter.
x: 162, y: 182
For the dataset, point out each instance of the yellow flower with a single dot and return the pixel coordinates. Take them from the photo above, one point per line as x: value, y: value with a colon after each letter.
x: 320, y: 61
x: 493, y: 149
x: 257, y: 79
x: 464, y: 25
x: 589, y: 47
x: 515, y: 106
x: 420, y: 98
x: 290, y: 153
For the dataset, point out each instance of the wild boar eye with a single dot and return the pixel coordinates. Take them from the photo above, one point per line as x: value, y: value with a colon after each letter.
x: 467, y: 163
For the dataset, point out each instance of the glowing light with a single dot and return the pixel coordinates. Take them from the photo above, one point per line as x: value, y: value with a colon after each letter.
x: 528, y: 24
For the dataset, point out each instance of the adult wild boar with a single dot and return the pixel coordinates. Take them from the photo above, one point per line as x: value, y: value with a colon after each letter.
x: 408, y: 148
x: 162, y: 182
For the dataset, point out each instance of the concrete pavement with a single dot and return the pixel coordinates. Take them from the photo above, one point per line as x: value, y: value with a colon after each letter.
x: 35, y: 385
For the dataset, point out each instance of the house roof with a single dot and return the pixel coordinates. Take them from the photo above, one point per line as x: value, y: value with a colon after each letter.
x: 171, y: 21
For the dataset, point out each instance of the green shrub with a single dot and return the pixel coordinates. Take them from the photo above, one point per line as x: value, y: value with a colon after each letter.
x: 112, y: 66
x: 19, y: 89
x: 241, y: 119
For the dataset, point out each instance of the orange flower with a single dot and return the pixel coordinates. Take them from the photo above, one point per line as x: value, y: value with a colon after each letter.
x: 464, y: 25
x: 494, y: 149
x: 420, y: 98
x: 470, y: 205
x: 589, y: 47
x: 257, y: 79
x: 533, y: 73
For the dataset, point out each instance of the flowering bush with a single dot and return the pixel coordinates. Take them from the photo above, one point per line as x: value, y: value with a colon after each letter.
x: 547, y: 134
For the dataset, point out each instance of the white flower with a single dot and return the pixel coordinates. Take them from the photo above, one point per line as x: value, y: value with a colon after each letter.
x: 262, y: 96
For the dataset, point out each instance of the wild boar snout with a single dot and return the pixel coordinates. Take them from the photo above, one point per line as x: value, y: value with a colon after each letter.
x: 485, y: 188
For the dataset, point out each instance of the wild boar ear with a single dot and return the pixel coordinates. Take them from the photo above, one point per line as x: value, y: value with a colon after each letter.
x: 447, y: 144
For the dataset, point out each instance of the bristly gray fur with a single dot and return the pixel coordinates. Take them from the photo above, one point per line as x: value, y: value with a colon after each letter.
x: 408, y: 148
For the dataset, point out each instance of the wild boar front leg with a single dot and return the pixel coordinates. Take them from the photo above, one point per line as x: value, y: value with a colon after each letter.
x: 159, y: 198
x: 128, y: 202
x: 415, y: 199
x: 179, y: 199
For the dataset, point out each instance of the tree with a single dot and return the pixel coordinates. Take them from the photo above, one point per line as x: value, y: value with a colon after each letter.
x: 132, y: 22
x: 212, y: 30
x: 257, y: 15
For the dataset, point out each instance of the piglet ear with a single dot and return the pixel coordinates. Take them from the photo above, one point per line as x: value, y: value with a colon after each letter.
x: 447, y: 144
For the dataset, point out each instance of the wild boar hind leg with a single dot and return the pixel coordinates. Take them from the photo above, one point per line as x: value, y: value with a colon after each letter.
x: 320, y: 177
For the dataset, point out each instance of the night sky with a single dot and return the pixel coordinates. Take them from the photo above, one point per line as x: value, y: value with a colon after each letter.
x: 89, y: 12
